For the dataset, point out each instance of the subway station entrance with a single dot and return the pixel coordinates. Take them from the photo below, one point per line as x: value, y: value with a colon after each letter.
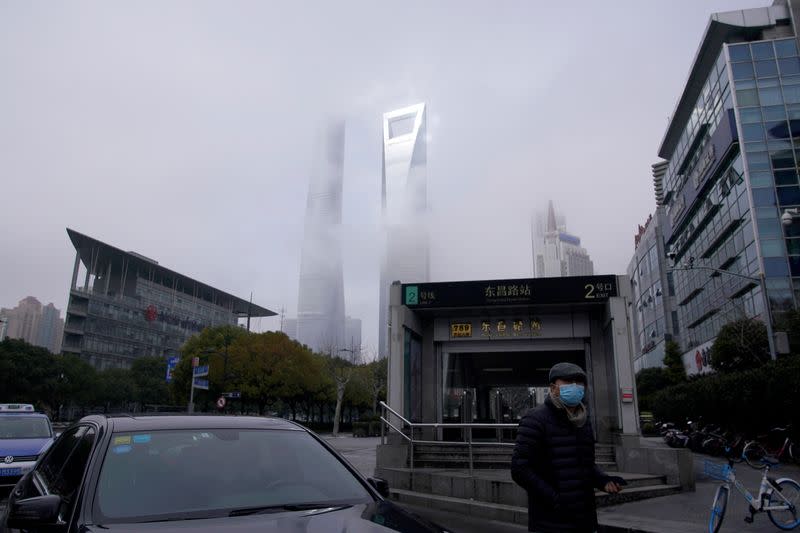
x: 480, y: 351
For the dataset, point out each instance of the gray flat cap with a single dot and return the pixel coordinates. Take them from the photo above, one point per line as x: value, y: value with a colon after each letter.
x: 566, y: 371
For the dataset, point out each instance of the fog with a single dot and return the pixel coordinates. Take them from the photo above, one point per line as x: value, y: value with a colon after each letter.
x: 183, y: 131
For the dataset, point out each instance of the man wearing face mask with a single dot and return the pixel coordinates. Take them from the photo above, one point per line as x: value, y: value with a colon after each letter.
x: 554, y: 458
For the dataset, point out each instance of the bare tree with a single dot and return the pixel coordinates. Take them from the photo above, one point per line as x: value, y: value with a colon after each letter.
x: 376, y: 376
x: 340, y: 363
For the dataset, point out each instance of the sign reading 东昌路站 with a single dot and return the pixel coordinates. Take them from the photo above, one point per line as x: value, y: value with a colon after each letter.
x: 576, y: 289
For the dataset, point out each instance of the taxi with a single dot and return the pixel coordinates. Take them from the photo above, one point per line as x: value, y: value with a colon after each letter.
x: 24, y: 436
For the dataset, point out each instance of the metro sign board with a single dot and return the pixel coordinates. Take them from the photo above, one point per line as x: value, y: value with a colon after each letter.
x: 537, y: 291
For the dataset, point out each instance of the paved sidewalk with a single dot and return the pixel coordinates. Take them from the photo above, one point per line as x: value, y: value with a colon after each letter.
x: 685, y: 512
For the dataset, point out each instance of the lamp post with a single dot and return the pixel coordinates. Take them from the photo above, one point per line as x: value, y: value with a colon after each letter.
x: 760, y: 280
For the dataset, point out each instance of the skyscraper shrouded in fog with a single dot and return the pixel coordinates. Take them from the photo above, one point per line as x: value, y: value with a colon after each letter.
x: 405, y: 205
x: 555, y: 252
x: 320, y: 304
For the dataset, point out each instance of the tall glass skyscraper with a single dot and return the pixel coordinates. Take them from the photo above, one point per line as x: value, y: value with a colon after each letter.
x: 732, y: 150
x: 320, y: 304
x: 405, y: 204
x: 557, y: 253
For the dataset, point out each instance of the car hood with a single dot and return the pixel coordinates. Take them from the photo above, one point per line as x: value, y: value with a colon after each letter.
x: 23, y: 446
x: 379, y: 517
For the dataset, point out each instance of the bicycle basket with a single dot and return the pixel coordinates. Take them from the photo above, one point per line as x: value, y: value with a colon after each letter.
x: 715, y: 470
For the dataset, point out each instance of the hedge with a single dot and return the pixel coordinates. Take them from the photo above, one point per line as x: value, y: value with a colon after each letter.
x: 749, y: 402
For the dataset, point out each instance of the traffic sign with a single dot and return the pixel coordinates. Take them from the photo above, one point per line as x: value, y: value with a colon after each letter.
x: 172, y: 362
x: 235, y: 395
x: 200, y: 383
x: 221, y: 402
x: 201, y: 371
x: 195, y: 362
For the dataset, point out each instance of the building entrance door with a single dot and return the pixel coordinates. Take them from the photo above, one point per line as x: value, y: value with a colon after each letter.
x: 496, y: 387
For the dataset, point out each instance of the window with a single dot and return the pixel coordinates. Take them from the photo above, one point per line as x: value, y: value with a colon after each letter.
x: 750, y: 116
x: 753, y: 132
x: 772, y: 248
x: 53, y: 461
x: 789, y: 195
x: 763, y: 197
x: 775, y: 267
x: 746, y: 97
x: 770, y: 96
x: 775, y: 112
x: 760, y: 179
x: 69, y: 480
x: 762, y: 50
x: 740, y: 52
x: 742, y: 71
x: 766, y: 69
x: 786, y: 48
x: 162, y: 474
x: 781, y: 158
x: 789, y: 66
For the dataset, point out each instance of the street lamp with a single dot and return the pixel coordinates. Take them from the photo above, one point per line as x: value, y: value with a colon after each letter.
x: 689, y: 265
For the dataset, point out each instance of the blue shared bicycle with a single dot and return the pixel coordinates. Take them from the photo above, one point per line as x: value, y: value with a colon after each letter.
x: 779, y: 498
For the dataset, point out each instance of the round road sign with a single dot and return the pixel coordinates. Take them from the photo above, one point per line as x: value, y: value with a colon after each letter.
x: 221, y: 402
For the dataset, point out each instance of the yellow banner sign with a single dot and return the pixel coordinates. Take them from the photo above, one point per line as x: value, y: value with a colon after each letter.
x: 461, y: 330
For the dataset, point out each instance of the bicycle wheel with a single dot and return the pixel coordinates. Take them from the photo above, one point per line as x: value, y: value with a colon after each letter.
x: 788, y: 518
x: 753, y: 453
x: 718, y: 509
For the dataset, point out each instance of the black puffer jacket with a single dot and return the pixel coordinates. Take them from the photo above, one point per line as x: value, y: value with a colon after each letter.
x: 554, y: 461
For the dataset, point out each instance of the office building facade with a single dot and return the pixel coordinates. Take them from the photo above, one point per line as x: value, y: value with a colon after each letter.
x: 123, y: 305
x: 654, y: 319
x: 556, y: 252
x: 405, y: 206
x: 730, y: 152
x: 320, y: 303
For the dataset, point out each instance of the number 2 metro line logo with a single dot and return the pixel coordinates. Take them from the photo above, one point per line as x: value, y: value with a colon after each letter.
x: 412, y: 295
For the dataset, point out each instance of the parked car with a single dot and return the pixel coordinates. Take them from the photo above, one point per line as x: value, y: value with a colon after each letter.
x: 24, y: 436
x: 222, y: 473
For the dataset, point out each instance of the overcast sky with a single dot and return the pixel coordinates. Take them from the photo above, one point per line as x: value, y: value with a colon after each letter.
x: 183, y: 130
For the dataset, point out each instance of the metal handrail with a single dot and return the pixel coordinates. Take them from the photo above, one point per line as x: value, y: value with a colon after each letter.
x: 435, y: 425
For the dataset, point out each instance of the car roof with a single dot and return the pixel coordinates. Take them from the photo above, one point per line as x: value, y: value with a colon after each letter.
x: 29, y: 413
x: 122, y: 423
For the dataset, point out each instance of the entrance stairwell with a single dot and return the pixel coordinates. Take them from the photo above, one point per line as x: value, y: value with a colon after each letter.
x: 474, y: 478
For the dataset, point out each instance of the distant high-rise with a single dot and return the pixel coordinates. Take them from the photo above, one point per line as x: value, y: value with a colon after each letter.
x: 352, y: 333
x: 555, y: 252
x: 36, y: 324
x: 320, y: 304
x: 289, y: 327
x: 51, y: 328
x: 405, y: 204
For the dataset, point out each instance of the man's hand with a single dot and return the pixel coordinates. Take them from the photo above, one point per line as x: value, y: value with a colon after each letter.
x: 612, y: 488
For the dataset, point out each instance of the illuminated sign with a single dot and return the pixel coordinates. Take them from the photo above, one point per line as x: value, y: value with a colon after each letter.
x: 565, y: 290
x: 502, y: 328
x: 461, y: 330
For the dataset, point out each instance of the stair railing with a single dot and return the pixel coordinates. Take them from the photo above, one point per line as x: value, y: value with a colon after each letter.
x: 386, y: 411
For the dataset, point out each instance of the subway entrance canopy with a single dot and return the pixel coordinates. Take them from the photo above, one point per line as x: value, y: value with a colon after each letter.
x: 480, y: 351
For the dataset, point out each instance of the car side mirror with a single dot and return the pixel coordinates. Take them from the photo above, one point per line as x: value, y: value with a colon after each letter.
x: 380, y: 485
x: 36, y: 511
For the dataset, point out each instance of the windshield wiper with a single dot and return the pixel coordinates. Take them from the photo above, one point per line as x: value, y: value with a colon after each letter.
x: 287, y: 507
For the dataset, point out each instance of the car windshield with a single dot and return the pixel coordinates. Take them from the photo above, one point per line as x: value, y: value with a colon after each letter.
x: 24, y: 427
x: 165, y: 475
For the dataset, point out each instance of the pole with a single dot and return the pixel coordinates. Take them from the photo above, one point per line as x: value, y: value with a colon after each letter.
x: 191, y: 395
x: 249, y: 305
x: 768, y: 310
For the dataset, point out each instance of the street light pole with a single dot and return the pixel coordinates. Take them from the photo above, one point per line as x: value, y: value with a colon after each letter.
x: 762, y: 283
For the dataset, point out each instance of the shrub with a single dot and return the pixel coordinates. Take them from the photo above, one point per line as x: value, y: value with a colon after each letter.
x: 748, y: 401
